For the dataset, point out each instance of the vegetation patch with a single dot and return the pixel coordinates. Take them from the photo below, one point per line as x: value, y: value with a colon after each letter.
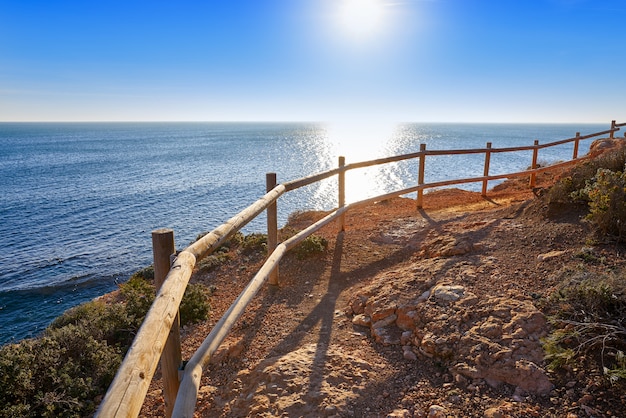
x: 600, y: 184
x: 67, y: 370
x: 311, y: 246
x: 588, y: 314
x: 253, y: 243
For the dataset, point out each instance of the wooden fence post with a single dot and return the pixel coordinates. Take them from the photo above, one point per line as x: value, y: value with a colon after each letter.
x: 171, y: 360
x: 612, y: 127
x: 341, y: 186
x: 576, y: 146
x: 486, y: 170
x: 272, y: 226
x: 533, y: 176
x: 420, y: 177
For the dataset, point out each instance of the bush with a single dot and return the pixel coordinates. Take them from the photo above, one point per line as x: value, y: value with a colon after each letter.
x: 213, y: 261
x: 589, y: 319
x: 105, y: 322
x: 565, y: 190
x: 311, y: 246
x: 138, y: 294
x: 254, y: 243
x: 195, y: 306
x: 601, y: 184
x: 606, y: 195
x: 61, y: 373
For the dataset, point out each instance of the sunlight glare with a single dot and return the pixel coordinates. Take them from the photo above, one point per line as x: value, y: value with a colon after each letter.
x: 362, y: 141
x: 361, y: 18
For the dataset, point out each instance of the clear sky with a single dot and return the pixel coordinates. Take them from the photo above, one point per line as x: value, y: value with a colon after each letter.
x: 313, y: 60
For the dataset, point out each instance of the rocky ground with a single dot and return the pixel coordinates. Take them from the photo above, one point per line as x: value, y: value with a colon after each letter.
x: 409, y: 313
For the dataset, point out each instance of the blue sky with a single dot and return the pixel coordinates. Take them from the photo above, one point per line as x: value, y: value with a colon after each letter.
x: 313, y: 60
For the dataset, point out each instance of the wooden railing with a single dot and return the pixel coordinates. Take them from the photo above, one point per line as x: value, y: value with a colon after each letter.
x: 158, y: 336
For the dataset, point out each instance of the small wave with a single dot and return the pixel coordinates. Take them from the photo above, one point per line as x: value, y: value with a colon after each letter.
x: 27, y: 312
x: 77, y: 282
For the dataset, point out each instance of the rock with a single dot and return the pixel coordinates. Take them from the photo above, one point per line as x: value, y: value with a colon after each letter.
x: 551, y: 254
x: 228, y: 350
x: 330, y: 409
x: 408, y: 354
x: 407, y: 318
x: 427, y: 346
x: 494, y: 413
x: 406, y: 337
x: 378, y: 309
x: 362, y: 320
x: 600, y: 146
x: 399, y: 413
x: 357, y: 304
x: 447, y: 293
x: 385, y: 336
x: 532, y: 378
x: 437, y: 411
x: 381, y: 323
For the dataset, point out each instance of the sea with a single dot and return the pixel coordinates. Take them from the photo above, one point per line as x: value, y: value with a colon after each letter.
x: 78, y: 201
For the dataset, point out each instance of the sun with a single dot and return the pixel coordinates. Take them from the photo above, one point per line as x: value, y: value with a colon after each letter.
x: 361, y: 18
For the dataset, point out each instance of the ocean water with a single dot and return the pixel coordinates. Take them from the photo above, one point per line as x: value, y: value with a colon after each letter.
x: 78, y: 201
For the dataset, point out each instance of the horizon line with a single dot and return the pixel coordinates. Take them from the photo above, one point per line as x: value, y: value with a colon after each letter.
x: 306, y: 121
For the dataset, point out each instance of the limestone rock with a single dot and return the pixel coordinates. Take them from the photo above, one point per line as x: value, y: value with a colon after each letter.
x: 551, y: 254
x: 447, y: 293
x: 399, y: 413
x: 437, y: 411
x: 362, y: 320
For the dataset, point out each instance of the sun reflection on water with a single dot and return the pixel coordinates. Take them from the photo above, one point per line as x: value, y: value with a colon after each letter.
x: 361, y: 142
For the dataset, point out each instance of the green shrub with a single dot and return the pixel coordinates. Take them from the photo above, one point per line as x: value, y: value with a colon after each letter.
x: 146, y: 273
x: 601, y: 184
x: 195, y: 306
x: 138, y: 294
x: 589, y: 320
x: 254, y: 243
x: 310, y: 246
x: 606, y: 195
x: 618, y: 370
x: 248, y: 244
x: 213, y: 261
x: 108, y: 322
x: 566, y: 189
x: 61, y: 373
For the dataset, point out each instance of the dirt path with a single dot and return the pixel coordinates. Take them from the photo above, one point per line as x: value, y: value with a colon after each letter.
x: 409, y: 313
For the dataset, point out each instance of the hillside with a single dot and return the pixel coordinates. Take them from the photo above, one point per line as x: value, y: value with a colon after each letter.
x: 437, y: 312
